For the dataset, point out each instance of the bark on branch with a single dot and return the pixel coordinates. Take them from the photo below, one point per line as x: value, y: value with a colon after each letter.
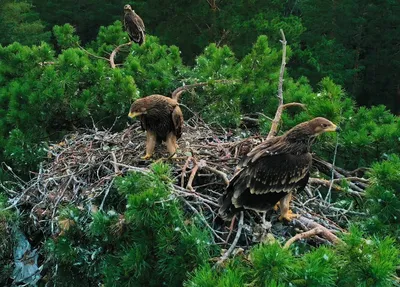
x: 279, y: 110
x: 177, y: 92
x: 114, y: 53
x: 315, y: 229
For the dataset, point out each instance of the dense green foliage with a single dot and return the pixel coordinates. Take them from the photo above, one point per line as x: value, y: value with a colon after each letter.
x: 143, y: 237
x: 44, y: 93
x: 384, y: 198
x: 20, y: 23
x: 148, y: 243
x: 355, y: 43
x: 355, y: 262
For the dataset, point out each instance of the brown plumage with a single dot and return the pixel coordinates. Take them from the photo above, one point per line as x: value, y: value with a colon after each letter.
x: 134, y: 25
x: 162, y: 120
x: 272, y: 170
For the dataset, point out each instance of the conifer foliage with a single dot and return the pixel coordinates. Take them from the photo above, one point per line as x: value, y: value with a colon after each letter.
x: 142, y: 235
x: 147, y: 241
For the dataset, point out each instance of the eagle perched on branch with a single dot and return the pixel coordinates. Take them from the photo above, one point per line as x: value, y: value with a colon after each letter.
x: 134, y: 25
x: 272, y: 170
x: 162, y: 119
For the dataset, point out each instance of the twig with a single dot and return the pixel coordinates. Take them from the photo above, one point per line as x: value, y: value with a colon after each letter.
x: 326, y: 233
x: 327, y: 183
x: 184, y: 168
x: 278, y: 114
x: 189, y: 185
x: 177, y: 92
x: 116, y: 169
x: 289, y: 105
x: 204, y: 220
x: 328, y: 195
x: 93, y: 55
x: 218, y: 172
x: 133, y: 168
x: 234, y: 243
x: 299, y: 236
x: 114, y: 53
x: 106, y: 194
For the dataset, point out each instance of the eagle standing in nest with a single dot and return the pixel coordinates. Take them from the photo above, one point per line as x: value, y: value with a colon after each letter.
x: 162, y: 119
x: 272, y: 170
x: 134, y: 25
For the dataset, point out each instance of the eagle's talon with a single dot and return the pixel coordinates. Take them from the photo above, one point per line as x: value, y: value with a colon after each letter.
x: 147, y: 156
x: 289, y: 216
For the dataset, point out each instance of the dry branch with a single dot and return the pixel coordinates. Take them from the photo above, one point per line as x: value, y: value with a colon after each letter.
x: 114, y: 53
x: 279, y: 110
x: 234, y: 243
x: 219, y: 173
x: 177, y: 92
x: 299, y: 236
x: 91, y: 54
x: 311, y: 224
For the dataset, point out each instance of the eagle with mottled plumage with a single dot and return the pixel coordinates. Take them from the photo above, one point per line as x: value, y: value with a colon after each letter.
x: 134, y: 25
x: 269, y: 173
x: 161, y: 118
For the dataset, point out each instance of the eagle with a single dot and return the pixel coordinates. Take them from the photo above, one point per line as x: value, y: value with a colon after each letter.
x: 269, y: 173
x: 161, y: 118
x: 134, y: 25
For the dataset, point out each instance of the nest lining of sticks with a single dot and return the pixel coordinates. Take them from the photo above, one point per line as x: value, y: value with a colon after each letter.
x: 81, y: 169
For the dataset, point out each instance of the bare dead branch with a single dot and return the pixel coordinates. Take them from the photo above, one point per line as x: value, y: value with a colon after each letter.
x: 91, y: 54
x: 234, y: 243
x: 299, y: 236
x: 177, y: 92
x: 114, y: 53
x: 325, y: 232
x: 220, y: 173
x: 278, y: 115
x: 289, y: 105
x: 189, y: 185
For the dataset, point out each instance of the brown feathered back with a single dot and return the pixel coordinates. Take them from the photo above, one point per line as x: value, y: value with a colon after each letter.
x: 273, y: 169
x: 134, y: 25
x: 159, y: 114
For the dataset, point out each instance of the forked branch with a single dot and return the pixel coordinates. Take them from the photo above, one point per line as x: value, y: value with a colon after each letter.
x: 114, y: 53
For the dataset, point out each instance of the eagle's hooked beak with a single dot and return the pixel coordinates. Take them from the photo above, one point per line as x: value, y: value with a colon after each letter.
x: 134, y: 114
x: 332, y: 128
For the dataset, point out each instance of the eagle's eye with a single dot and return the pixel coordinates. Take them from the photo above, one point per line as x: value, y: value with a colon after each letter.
x: 324, y: 125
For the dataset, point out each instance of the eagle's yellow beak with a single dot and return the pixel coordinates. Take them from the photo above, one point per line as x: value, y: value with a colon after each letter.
x: 132, y: 115
x: 332, y: 128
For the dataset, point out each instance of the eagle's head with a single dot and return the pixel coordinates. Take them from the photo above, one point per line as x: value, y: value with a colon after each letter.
x: 321, y: 125
x: 127, y: 8
x: 138, y: 108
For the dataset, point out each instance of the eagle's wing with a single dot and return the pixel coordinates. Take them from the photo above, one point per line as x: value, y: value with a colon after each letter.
x: 134, y: 26
x: 139, y: 23
x: 261, y: 183
x: 177, y: 119
x: 270, y: 147
x: 273, y: 173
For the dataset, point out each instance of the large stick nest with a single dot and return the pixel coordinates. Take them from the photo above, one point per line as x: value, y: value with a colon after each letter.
x: 81, y: 169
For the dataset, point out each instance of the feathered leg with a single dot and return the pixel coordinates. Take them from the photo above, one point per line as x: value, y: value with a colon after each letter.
x: 171, y: 144
x: 286, y: 213
x: 151, y: 139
